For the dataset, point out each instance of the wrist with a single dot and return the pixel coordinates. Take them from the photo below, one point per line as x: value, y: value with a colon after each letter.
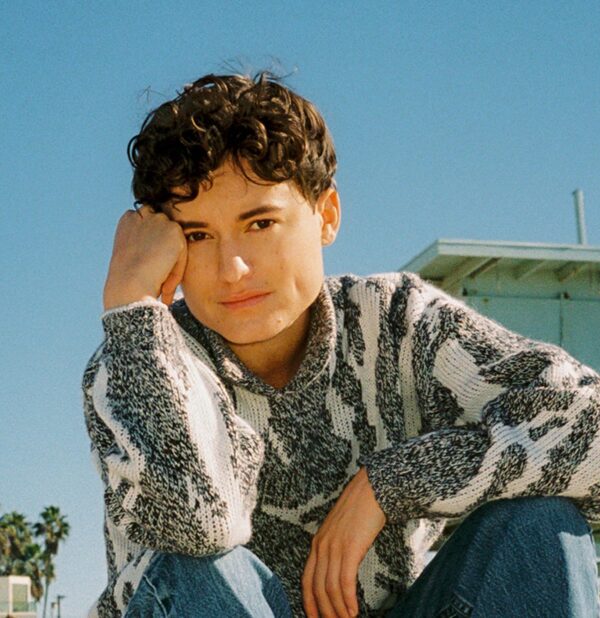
x: 368, y: 491
x: 119, y: 296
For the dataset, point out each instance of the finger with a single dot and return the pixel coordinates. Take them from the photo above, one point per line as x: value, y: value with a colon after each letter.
x: 333, y: 585
x: 167, y: 294
x: 144, y: 210
x: 175, y: 277
x: 348, y: 577
x: 308, y: 598
x: 319, y: 586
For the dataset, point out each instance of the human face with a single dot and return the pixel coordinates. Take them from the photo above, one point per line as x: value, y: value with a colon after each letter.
x: 255, y: 261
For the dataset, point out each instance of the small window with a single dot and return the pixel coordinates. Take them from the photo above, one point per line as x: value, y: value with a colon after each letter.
x: 19, y: 598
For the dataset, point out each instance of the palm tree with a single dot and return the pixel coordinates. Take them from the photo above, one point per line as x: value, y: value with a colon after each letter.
x: 16, y: 539
x: 19, y: 555
x: 4, y: 544
x: 53, y: 529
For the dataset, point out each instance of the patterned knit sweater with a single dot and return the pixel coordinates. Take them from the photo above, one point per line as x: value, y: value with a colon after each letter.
x: 445, y: 408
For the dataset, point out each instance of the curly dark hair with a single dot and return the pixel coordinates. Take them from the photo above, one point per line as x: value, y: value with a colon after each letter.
x: 258, y: 121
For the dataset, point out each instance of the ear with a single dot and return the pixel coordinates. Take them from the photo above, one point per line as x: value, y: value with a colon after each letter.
x: 328, y: 206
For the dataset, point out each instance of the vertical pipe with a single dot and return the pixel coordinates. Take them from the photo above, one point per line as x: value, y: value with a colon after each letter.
x: 580, y: 215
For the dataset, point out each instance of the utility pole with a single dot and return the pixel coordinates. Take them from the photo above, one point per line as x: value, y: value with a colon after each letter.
x: 580, y: 215
x: 59, y: 598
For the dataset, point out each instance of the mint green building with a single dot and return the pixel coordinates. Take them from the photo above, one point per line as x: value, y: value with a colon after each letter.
x: 544, y: 291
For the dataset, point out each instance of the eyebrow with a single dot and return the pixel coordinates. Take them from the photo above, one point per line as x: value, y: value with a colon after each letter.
x: 244, y: 216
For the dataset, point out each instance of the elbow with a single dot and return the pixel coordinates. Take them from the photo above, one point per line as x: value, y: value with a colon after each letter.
x: 170, y: 531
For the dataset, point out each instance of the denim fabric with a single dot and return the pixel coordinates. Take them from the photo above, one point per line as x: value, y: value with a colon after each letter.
x: 521, y: 558
x: 526, y: 557
x: 235, y: 584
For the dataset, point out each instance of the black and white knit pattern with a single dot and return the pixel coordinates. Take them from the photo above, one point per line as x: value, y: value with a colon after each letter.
x: 445, y: 408
x: 178, y: 465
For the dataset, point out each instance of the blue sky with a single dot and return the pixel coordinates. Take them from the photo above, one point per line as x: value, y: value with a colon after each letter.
x: 451, y: 119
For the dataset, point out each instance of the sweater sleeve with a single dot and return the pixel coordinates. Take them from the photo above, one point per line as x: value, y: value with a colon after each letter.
x: 179, y: 467
x: 500, y: 415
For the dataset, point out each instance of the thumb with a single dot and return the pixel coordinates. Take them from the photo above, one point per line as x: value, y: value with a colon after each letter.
x: 167, y: 290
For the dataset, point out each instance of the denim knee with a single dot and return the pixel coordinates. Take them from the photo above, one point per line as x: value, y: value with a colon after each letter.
x: 234, y: 583
x: 534, y: 512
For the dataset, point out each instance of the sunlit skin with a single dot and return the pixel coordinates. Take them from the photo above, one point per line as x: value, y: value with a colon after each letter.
x: 255, y: 266
x: 248, y: 257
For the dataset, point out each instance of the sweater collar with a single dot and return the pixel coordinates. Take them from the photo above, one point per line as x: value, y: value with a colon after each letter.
x: 319, y: 353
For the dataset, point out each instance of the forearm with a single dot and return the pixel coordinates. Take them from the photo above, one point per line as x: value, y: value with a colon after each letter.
x: 533, y: 441
x: 157, y: 418
x: 409, y: 479
x: 499, y: 415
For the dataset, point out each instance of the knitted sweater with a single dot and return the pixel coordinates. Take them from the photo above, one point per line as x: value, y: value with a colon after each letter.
x: 445, y: 408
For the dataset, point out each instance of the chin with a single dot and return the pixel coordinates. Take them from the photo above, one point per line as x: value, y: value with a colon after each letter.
x: 248, y: 334
x: 248, y: 338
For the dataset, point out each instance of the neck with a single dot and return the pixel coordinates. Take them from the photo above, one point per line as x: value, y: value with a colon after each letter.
x: 277, y: 360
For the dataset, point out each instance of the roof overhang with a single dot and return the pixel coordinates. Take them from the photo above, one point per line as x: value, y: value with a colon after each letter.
x: 448, y: 261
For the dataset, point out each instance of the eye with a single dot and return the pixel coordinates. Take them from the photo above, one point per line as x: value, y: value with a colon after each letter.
x: 196, y: 236
x: 261, y: 224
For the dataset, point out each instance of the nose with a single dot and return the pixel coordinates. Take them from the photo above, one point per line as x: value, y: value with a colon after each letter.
x: 232, y: 266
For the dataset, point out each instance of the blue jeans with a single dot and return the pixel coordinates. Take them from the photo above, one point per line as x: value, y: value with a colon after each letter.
x: 527, y: 557
x: 235, y: 584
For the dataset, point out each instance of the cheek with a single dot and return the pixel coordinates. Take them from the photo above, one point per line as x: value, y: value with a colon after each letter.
x: 196, y: 277
x: 303, y: 269
x: 304, y: 248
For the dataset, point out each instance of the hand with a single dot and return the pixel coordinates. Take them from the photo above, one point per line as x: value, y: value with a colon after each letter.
x: 148, y: 260
x: 338, y: 548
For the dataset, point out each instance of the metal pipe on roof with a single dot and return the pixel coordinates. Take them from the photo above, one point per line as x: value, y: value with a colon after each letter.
x: 580, y: 216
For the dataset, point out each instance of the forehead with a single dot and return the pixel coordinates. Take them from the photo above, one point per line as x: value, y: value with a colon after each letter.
x: 232, y: 192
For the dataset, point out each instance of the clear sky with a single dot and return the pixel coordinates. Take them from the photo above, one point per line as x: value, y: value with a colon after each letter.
x: 451, y: 119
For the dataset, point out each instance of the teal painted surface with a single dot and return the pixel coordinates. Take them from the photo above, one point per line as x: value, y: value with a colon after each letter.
x: 533, y: 317
x: 581, y: 331
x: 572, y: 324
x: 546, y: 292
x: 543, y: 284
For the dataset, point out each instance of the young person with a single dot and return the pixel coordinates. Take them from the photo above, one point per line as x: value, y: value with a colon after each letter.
x: 278, y: 442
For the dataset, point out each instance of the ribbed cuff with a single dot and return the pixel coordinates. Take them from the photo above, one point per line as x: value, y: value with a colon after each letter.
x: 386, y: 480
x: 141, y: 325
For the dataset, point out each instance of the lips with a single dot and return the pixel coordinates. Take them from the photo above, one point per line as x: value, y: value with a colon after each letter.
x: 247, y: 299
